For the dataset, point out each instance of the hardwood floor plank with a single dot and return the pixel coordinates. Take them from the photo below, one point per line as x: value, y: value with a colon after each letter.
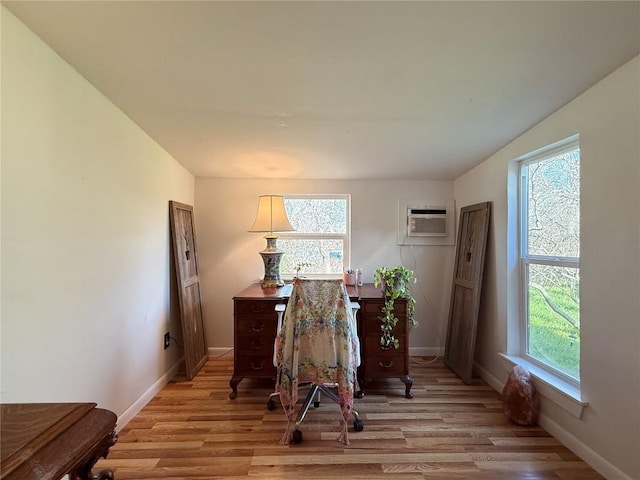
x: 431, y: 442
x: 516, y: 457
x: 326, y: 472
x: 525, y: 441
x: 356, y: 458
x: 191, y: 430
x: 160, y: 445
x: 532, y: 466
x: 395, y: 416
x: 489, y: 475
x: 431, y: 467
x: 129, y: 463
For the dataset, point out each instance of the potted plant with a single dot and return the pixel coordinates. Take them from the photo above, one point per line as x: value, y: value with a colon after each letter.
x: 396, y: 283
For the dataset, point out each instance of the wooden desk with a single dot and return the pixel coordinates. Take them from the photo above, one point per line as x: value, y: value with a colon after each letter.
x: 255, y: 323
x: 45, y: 441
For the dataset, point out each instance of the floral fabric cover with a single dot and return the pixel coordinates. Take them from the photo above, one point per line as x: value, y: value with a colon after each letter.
x: 317, y: 343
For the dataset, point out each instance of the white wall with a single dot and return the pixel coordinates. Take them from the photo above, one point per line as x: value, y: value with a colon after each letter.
x: 86, y: 266
x: 86, y: 289
x: 607, y: 119
x: 229, y: 259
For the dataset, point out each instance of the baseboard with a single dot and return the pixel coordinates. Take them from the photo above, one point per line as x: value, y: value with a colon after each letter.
x: 215, y: 352
x: 139, y: 404
x: 146, y: 397
x: 494, y: 382
x: 426, y: 351
x: 599, y: 464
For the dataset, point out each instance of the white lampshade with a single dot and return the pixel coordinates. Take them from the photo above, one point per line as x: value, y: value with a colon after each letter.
x: 271, y: 216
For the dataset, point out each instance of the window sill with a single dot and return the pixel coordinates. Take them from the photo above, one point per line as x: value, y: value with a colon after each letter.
x: 563, y: 394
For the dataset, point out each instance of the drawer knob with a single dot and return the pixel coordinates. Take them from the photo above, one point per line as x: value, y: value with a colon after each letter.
x: 258, y: 327
x: 257, y: 366
x: 388, y: 364
x: 257, y: 344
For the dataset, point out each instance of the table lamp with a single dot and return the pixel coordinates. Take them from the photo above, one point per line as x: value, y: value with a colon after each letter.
x: 271, y: 217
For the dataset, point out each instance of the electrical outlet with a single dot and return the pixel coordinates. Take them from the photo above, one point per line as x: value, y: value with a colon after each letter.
x: 167, y: 339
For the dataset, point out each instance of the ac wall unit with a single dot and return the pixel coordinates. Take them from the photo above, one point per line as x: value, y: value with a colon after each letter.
x: 427, y: 221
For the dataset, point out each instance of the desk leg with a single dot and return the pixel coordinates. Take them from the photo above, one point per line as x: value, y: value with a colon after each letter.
x: 83, y: 472
x: 408, y: 382
x: 359, y: 393
x: 233, y: 383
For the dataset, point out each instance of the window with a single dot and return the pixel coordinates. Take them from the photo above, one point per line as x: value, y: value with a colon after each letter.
x: 550, y: 260
x: 320, y: 243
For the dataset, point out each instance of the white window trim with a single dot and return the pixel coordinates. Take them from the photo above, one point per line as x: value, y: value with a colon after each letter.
x: 550, y: 383
x: 346, y: 237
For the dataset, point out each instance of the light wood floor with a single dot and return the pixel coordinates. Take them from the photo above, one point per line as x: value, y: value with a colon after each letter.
x: 191, y: 430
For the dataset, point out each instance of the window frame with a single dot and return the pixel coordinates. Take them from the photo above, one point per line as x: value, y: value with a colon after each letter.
x: 526, y: 259
x: 346, y: 237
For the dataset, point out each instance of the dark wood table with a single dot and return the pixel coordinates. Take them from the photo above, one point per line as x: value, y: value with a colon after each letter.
x: 45, y: 441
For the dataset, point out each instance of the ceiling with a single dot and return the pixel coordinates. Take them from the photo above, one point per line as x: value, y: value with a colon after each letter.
x: 336, y: 89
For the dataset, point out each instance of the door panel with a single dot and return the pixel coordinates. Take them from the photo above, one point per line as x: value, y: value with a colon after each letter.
x: 186, y: 260
x: 466, y: 289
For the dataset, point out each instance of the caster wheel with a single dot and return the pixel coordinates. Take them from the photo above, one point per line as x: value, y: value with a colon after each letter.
x: 297, y: 436
x: 270, y: 405
x: 358, y: 426
x: 316, y: 404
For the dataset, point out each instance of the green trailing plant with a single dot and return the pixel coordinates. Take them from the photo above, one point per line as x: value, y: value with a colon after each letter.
x: 396, y: 283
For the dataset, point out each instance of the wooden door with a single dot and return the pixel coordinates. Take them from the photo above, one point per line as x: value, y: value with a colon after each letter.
x: 465, y: 292
x: 188, y: 280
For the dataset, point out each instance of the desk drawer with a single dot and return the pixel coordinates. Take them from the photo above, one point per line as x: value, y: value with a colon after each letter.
x: 372, y: 327
x: 255, y: 345
x: 250, y: 365
x: 387, y: 364
x: 251, y: 325
x: 372, y: 346
x: 374, y: 307
x: 256, y: 308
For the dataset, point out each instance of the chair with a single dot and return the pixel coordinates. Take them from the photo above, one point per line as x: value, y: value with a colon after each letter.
x: 317, y: 345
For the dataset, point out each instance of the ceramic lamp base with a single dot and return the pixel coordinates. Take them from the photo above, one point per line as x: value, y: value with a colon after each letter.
x: 271, y: 262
